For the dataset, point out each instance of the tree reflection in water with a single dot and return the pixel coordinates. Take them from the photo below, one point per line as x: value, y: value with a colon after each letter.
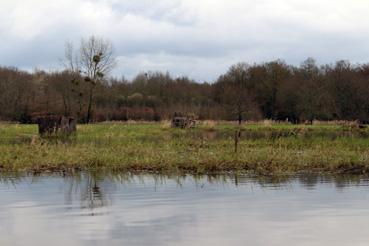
x: 93, y: 190
x: 93, y: 195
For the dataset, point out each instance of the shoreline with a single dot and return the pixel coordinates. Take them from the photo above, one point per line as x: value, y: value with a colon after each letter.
x: 209, y: 148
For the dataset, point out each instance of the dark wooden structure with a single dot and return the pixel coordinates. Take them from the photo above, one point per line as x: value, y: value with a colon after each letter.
x: 50, y: 125
x: 181, y: 121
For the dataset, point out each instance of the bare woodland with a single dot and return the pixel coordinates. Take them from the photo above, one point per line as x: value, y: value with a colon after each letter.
x: 271, y: 90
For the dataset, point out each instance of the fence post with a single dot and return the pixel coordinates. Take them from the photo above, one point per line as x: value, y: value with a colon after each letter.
x: 236, y: 138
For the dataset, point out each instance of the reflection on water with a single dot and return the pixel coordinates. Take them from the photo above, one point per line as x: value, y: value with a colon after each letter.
x: 127, y: 209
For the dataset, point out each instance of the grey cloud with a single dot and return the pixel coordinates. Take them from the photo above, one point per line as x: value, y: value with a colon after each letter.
x: 200, y: 38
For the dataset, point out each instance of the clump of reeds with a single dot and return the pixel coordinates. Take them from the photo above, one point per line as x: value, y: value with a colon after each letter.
x: 209, y: 124
x: 267, y: 122
x: 165, y: 124
x: 336, y: 123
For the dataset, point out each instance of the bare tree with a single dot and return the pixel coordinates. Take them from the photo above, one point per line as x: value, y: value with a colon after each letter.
x: 93, y: 63
x: 234, y: 89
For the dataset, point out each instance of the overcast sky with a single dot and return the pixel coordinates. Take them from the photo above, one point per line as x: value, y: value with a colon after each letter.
x: 196, y: 38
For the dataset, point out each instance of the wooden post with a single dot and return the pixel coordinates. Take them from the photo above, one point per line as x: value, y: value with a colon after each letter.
x: 236, y: 138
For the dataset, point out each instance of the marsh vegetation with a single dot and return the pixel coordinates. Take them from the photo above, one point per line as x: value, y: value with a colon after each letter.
x: 209, y: 148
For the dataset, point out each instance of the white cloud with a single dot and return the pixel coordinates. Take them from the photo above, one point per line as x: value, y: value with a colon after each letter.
x: 200, y: 38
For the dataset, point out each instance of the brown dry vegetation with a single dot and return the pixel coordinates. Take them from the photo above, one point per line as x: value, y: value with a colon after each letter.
x: 272, y: 90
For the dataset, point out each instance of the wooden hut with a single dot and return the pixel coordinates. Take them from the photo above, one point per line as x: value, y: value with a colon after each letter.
x: 49, y: 125
x: 181, y: 121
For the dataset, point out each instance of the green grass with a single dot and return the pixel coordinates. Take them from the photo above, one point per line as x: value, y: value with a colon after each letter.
x: 209, y: 148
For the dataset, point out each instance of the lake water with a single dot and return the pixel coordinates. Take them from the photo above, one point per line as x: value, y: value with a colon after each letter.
x: 125, y: 209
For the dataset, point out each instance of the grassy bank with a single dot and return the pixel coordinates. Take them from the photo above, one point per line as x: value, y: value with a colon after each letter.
x: 264, y: 149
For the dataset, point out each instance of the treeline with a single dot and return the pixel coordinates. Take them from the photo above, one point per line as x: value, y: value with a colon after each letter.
x: 272, y: 90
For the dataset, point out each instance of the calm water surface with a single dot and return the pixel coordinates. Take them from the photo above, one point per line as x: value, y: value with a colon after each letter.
x: 97, y: 209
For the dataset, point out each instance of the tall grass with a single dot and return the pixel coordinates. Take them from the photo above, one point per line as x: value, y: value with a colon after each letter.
x: 209, y: 148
